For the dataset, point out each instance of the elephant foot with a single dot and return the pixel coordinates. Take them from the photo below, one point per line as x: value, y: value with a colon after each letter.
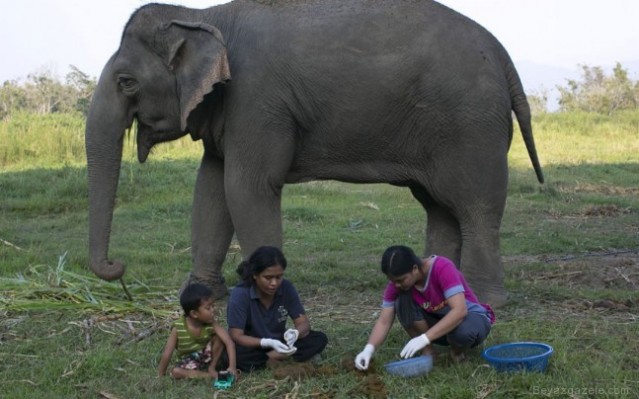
x: 494, y: 299
x: 216, y: 284
x: 219, y: 290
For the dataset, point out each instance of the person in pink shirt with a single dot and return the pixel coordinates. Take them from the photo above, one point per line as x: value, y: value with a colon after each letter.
x: 432, y: 302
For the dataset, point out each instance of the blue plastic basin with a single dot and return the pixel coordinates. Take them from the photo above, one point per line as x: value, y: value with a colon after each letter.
x: 519, y: 356
x: 412, y: 367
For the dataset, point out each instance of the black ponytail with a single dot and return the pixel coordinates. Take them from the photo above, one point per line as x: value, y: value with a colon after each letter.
x: 398, y: 260
x: 244, y: 270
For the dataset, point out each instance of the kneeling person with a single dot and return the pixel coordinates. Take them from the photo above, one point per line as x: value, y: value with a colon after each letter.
x: 433, y: 303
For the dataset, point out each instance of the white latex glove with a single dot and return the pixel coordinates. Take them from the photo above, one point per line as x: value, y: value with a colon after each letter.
x: 364, y: 357
x: 290, y: 336
x: 277, y: 345
x: 414, y: 345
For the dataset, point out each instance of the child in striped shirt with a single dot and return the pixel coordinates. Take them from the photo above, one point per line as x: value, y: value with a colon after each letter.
x: 198, y: 339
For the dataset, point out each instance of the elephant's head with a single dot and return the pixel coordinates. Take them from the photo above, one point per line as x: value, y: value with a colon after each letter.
x: 164, y: 67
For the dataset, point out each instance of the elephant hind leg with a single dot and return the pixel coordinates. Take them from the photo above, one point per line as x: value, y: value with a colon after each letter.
x: 469, y: 236
x: 481, y: 263
x: 443, y: 236
x: 480, y: 222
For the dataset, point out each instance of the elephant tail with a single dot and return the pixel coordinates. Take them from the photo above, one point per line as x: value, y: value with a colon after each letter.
x: 522, y: 111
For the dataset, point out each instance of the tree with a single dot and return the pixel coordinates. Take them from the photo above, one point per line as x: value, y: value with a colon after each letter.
x: 12, y: 98
x: 44, y: 93
x: 84, y: 86
x: 596, y: 92
x: 47, y: 94
x: 538, y: 101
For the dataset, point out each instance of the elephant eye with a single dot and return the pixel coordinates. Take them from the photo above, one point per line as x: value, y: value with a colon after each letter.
x: 127, y: 84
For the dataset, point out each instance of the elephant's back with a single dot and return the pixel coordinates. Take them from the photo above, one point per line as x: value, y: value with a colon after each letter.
x: 324, y: 37
x: 331, y: 20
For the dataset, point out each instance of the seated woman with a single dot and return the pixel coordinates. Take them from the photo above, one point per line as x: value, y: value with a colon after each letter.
x: 257, y: 311
x: 433, y: 303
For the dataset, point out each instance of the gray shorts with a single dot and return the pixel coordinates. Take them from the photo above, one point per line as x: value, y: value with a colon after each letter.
x: 471, y: 332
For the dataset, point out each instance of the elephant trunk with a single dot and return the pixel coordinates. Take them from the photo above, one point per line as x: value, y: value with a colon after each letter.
x: 106, y: 124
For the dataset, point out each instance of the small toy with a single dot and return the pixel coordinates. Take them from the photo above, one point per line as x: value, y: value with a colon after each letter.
x: 224, y: 380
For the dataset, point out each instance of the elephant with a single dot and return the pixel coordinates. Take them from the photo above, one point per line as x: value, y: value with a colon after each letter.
x: 405, y: 92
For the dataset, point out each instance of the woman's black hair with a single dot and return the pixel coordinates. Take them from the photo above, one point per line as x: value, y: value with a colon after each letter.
x: 261, y: 259
x: 193, y: 295
x: 399, y: 260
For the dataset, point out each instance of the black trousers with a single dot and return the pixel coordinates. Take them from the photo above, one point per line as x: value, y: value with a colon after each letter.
x: 250, y: 358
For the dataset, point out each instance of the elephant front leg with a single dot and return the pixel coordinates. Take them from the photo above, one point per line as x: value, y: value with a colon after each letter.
x: 211, y: 227
x: 256, y: 213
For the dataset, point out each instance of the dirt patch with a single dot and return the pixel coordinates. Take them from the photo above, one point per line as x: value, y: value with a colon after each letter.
x: 294, y: 370
x: 369, y: 385
x: 593, y: 270
x: 605, y: 211
x: 600, y: 189
x: 372, y: 387
x: 599, y: 273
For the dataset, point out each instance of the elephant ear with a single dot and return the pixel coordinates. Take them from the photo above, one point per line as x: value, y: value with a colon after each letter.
x: 196, y: 53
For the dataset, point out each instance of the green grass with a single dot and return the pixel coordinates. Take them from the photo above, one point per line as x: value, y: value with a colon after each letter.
x: 66, y: 334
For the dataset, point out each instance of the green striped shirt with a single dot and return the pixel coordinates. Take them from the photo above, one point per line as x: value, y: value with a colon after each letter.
x: 188, y: 343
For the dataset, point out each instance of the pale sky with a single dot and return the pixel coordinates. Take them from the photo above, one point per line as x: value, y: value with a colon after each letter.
x: 53, y: 34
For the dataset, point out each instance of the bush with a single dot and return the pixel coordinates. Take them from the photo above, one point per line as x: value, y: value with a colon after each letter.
x: 597, y: 92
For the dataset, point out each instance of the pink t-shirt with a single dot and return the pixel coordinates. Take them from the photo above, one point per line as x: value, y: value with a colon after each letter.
x: 443, y: 281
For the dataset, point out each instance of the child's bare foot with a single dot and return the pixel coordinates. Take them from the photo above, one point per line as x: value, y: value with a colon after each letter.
x: 179, y: 373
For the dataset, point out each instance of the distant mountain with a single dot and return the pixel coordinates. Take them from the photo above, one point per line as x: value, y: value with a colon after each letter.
x: 537, y: 78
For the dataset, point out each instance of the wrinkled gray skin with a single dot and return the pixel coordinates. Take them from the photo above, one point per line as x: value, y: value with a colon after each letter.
x: 409, y: 93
